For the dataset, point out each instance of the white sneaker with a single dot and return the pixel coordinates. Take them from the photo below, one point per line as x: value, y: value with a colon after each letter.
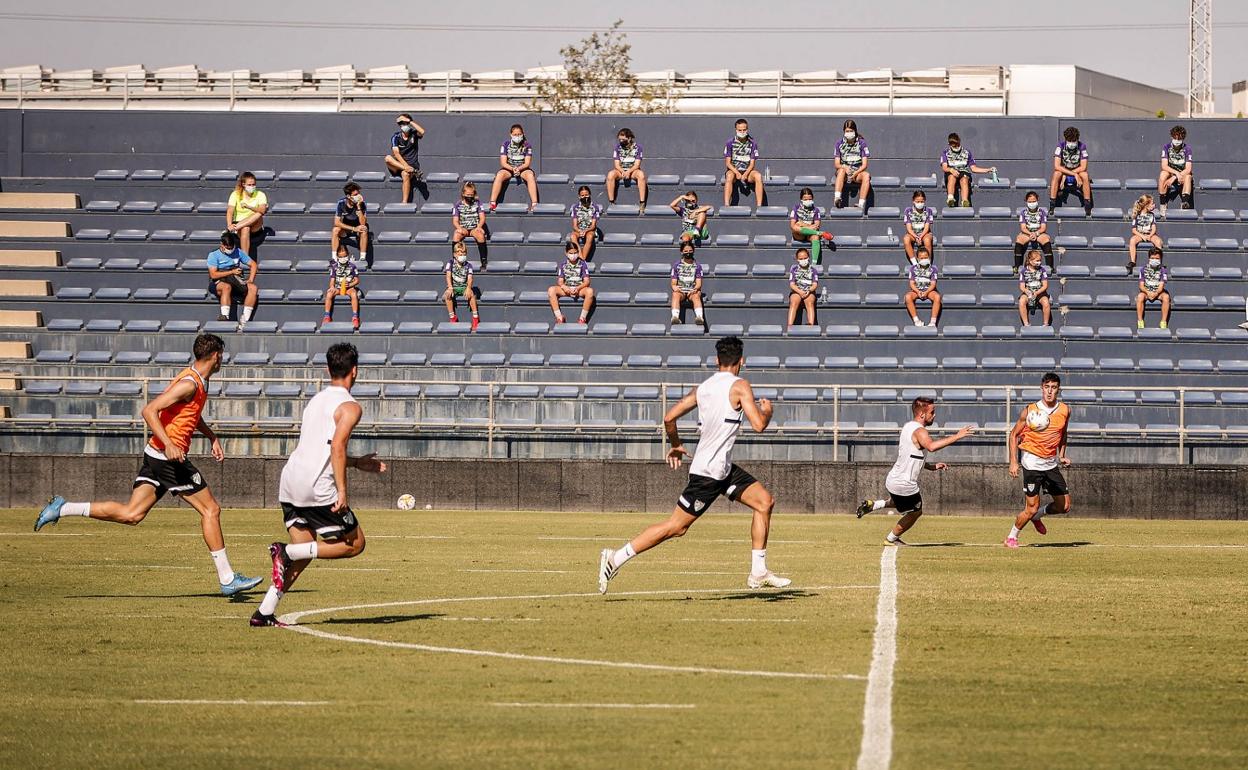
x: 917, y: 322
x: 769, y: 580
x: 1244, y: 325
x: 605, y: 570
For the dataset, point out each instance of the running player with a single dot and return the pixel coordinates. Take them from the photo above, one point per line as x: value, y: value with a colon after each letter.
x: 313, y: 490
x: 173, y: 417
x: 1044, y: 454
x: 902, y: 481
x: 721, y: 402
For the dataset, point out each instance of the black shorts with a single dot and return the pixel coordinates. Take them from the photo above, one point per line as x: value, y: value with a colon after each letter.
x: 236, y: 283
x: 180, y: 478
x: 703, y: 490
x: 906, y: 503
x: 1049, y: 482
x: 321, y: 520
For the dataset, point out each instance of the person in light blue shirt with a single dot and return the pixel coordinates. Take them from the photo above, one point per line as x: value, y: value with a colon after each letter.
x: 226, y: 268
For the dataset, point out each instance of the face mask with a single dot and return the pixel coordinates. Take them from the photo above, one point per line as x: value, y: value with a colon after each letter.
x: 572, y: 255
x: 687, y: 257
x: 461, y: 258
x: 1033, y: 205
x: 954, y: 148
x: 251, y: 188
x: 1176, y: 142
x: 585, y: 201
x: 918, y: 205
x: 690, y: 204
x: 1154, y: 263
x: 810, y: 204
x: 406, y: 128
x: 357, y: 198
x: 925, y: 263
x: 742, y: 134
x: 517, y: 139
x: 1071, y: 145
x: 850, y: 135
x: 803, y: 262
x: 623, y: 142
x: 469, y: 198
x: 343, y: 260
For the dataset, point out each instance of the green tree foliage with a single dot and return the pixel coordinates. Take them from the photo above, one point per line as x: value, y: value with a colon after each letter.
x: 597, y: 80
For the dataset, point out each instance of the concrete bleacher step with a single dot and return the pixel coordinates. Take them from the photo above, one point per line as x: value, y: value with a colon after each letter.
x: 12, y: 228
x: 30, y: 258
x: 32, y: 201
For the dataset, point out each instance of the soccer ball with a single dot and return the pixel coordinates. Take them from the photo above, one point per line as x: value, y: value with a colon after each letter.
x: 406, y: 502
x: 1037, y: 420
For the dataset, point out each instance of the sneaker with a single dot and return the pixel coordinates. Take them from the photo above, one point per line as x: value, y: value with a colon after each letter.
x: 918, y: 322
x: 50, y: 514
x: 1163, y: 325
x: 1039, y: 525
x: 326, y: 318
x: 1187, y: 206
x: 1011, y: 542
x: 241, y: 326
x: 239, y: 584
x: 839, y: 203
x: 825, y: 236
x: 281, y: 564
x: 583, y: 320
x: 224, y: 318
x: 1087, y: 210
x: 493, y: 206
x: 1139, y: 324
x: 950, y: 200
x: 1052, y: 207
x: 865, y: 507
x: 605, y: 570
x: 641, y: 209
x: 1162, y: 209
x: 1130, y: 267
x: 767, y: 580
x: 966, y: 204
x: 355, y: 322
x: 259, y: 620
x: 418, y: 176
x: 932, y: 323
x: 559, y: 319
x: 895, y: 541
x: 1016, y: 271
x: 475, y: 322
x: 701, y: 322
x: 454, y: 319
x: 1244, y: 325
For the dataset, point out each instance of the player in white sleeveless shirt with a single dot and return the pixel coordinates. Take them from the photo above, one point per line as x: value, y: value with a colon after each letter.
x: 902, y: 481
x: 722, y: 402
x: 313, y: 490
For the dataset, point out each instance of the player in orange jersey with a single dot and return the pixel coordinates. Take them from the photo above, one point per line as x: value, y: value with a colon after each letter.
x: 173, y: 418
x: 1040, y: 434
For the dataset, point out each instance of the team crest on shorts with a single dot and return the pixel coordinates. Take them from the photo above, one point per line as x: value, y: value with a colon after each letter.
x: 1031, y: 487
x: 197, y: 479
x: 699, y: 505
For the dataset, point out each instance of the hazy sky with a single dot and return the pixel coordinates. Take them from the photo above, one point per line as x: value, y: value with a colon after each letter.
x: 1145, y: 40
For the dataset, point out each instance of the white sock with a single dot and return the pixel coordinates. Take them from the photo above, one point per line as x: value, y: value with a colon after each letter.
x: 584, y: 315
x: 838, y: 195
x: 558, y: 316
x: 758, y: 561
x: 890, y: 537
x: 268, y: 605
x: 301, y: 551
x: 878, y: 504
x: 225, y: 310
x: 1013, y: 533
x: 247, y: 311
x: 862, y: 203
x: 225, y: 573
x: 917, y: 322
x: 622, y: 555
x: 698, y: 313
x: 76, y: 509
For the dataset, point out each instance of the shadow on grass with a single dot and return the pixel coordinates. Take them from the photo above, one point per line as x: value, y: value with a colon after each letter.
x: 1071, y: 544
x: 376, y: 620
x: 761, y: 595
x: 935, y: 545
x: 249, y: 597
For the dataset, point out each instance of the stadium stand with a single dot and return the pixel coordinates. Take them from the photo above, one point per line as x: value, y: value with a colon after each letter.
x: 113, y: 288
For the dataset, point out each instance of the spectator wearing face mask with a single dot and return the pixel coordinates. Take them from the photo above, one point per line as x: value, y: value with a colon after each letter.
x: 1153, y: 279
x: 626, y: 167
x: 1033, y: 289
x: 344, y: 281
x: 1176, y: 168
x: 244, y: 214
x: 1143, y: 227
x: 1070, y: 169
x: 923, y: 277
x: 851, y: 158
x: 459, y: 274
x: 740, y: 161
x: 468, y: 219
x: 515, y: 157
x: 918, y: 219
x: 226, y: 267
x: 1033, y: 226
x: 350, y: 220
x: 585, y: 215
x: 687, y: 284
x: 692, y: 217
x: 805, y: 221
x: 404, y: 157
x: 571, y: 280
x: 803, y: 287
x: 959, y: 164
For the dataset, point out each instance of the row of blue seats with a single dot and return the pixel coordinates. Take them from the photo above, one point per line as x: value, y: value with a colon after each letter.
x: 682, y: 361
x: 651, y: 269
x: 950, y: 299
x: 807, y: 180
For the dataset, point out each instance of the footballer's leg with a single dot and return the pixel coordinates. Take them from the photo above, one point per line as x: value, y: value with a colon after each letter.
x: 610, y: 561
x: 141, y: 501
x: 1031, y: 506
x: 760, y: 501
x: 209, y: 511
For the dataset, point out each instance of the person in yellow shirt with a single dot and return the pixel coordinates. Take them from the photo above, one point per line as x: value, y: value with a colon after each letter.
x: 245, y: 212
x: 1043, y: 452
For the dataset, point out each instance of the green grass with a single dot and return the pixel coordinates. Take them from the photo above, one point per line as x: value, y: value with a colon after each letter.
x: 1119, y: 653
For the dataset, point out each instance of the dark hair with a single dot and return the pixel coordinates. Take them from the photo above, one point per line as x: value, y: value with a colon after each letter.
x: 916, y: 194
x: 740, y: 121
x: 571, y: 246
x: 799, y: 251
x: 849, y: 124
x: 582, y: 188
x: 1155, y: 250
x: 958, y: 139
x: 229, y: 239
x: 627, y: 132
x: 1050, y: 377
x: 683, y: 244
x: 514, y: 126
x: 1178, y: 132
x: 922, y: 250
x: 1071, y: 134
x: 1032, y: 194
x: 351, y: 187
x: 728, y: 351
x: 805, y: 191
x: 922, y: 402
x: 239, y: 183
x: 340, y: 359
x: 694, y: 193
x: 405, y: 115
x: 207, y: 344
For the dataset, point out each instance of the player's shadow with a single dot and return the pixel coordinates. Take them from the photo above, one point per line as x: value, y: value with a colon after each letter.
x: 935, y: 545
x: 376, y: 619
x: 1071, y: 544
x: 769, y: 596
x: 244, y: 598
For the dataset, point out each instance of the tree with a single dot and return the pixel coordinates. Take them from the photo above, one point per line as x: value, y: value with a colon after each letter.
x: 596, y: 80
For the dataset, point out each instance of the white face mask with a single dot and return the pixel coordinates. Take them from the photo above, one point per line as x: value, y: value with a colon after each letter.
x: 461, y: 258
x: 343, y: 260
x: 1033, y: 205
x: 1154, y: 263
x: 918, y: 205
x: 742, y: 134
x: 925, y: 263
x: 810, y: 204
x: 803, y: 262
x: 406, y: 128
x: 249, y: 189
x: 517, y: 139
x: 573, y: 256
x: 357, y: 198
x: 1071, y: 145
x: 850, y: 135
x: 1176, y: 142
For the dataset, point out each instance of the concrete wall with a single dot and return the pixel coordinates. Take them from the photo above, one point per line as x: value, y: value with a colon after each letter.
x: 27, y: 481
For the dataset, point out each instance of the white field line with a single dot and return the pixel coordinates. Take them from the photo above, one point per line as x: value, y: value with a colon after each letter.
x: 236, y: 702
x: 1041, y: 544
x: 597, y: 705
x: 157, y: 616
x: 877, y: 710
x: 353, y: 569
x: 135, y: 566
x: 292, y: 621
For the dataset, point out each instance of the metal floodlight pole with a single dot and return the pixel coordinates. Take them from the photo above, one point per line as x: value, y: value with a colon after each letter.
x: 1200, y: 58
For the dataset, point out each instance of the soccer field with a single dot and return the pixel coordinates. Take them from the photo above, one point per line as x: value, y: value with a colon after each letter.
x: 479, y: 640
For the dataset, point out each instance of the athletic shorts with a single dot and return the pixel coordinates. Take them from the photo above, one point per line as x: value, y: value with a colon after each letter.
x: 905, y: 503
x: 236, y: 283
x: 1049, y: 482
x: 703, y: 490
x: 458, y: 291
x: 180, y: 478
x: 699, y: 235
x: 321, y: 520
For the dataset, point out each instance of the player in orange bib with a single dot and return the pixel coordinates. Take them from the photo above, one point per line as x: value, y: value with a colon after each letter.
x: 1040, y: 434
x: 173, y: 417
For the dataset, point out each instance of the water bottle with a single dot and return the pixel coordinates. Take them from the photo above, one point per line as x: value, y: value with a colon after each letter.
x: 891, y: 238
x: 995, y: 180
x: 767, y: 173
